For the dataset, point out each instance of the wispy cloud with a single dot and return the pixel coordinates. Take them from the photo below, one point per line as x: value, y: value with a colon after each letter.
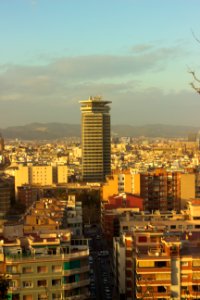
x: 142, y: 48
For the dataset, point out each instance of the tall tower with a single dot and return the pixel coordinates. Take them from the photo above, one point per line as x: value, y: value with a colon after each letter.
x: 1, y: 143
x: 96, y: 153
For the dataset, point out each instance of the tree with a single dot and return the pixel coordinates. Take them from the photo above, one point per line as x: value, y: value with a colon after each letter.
x: 196, y: 80
x: 4, y: 286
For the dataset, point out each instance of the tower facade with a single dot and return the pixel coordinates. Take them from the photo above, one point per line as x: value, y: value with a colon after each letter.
x: 1, y: 144
x: 96, y: 149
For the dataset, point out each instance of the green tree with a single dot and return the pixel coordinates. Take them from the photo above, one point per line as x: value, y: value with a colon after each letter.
x: 4, y: 286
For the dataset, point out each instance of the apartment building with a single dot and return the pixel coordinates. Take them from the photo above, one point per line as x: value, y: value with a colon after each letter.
x: 46, y: 266
x: 121, y: 182
x: 43, y: 175
x: 42, y: 258
x: 73, y: 216
x: 156, y: 256
x: 161, y: 190
x: 113, y: 208
x: 150, y: 263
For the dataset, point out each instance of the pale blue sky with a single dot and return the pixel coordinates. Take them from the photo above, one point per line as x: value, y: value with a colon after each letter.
x: 136, y: 53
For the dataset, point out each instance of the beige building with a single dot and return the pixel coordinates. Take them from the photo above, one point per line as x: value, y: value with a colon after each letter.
x: 187, y: 188
x: 44, y: 175
x: 62, y: 174
x: 21, y: 176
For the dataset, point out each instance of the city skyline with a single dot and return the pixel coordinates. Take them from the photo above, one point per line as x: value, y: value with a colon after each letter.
x: 134, y: 53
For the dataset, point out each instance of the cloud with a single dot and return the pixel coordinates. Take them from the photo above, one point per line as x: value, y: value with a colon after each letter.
x: 65, y: 73
x: 51, y: 91
x: 142, y: 48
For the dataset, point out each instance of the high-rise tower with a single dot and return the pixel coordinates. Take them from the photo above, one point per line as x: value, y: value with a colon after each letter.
x: 96, y: 153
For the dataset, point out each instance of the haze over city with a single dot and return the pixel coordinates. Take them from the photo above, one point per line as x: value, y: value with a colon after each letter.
x: 134, y: 53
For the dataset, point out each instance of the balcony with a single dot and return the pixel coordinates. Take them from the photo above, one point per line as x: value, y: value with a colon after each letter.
x: 46, y: 257
x: 155, y: 251
x: 72, y: 285
x: 153, y: 270
x: 149, y: 293
x: 77, y: 297
x: 82, y: 269
x: 153, y: 282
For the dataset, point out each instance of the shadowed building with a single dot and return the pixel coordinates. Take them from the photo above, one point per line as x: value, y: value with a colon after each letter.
x: 96, y: 149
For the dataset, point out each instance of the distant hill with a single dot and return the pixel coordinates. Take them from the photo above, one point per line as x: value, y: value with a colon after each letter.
x: 51, y: 131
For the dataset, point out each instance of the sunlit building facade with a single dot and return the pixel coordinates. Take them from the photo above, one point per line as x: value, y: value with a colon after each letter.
x: 96, y: 144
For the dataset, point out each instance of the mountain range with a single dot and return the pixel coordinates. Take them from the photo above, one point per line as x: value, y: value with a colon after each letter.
x: 52, y: 131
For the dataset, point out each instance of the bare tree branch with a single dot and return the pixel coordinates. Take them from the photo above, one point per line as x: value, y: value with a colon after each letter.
x: 194, y: 76
x: 198, y: 40
x: 195, y: 88
x: 196, y: 79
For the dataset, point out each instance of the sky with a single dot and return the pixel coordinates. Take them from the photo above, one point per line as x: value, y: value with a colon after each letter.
x: 135, y: 53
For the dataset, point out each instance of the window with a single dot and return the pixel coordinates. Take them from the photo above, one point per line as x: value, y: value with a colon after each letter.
x: 189, y: 226
x: 184, y: 276
x: 13, y: 283
x: 173, y: 226
x: 128, y: 253
x: 42, y: 296
x: 56, y: 296
x: 27, y: 297
x: 27, y: 284
x: 196, y: 263
x: 162, y: 276
x: 42, y: 269
x: 56, y: 268
x: 146, y: 264
x: 162, y: 289
x: 184, y: 263
x: 196, y: 288
x: 196, y: 276
x: 160, y: 264
x: 42, y: 283
x: 56, y: 282
x: 11, y: 269
x: 153, y: 239
x: 125, y: 227
x: 72, y: 264
x: 142, y: 239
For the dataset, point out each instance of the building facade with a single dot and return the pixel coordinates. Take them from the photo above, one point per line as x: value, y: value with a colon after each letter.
x: 96, y: 142
x: 157, y: 256
x: 161, y: 190
x: 40, y: 258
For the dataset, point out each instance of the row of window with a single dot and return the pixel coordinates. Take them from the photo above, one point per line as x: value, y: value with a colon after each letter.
x: 44, y: 296
x: 143, y: 239
x: 29, y: 269
x: 40, y: 283
x: 160, y: 264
